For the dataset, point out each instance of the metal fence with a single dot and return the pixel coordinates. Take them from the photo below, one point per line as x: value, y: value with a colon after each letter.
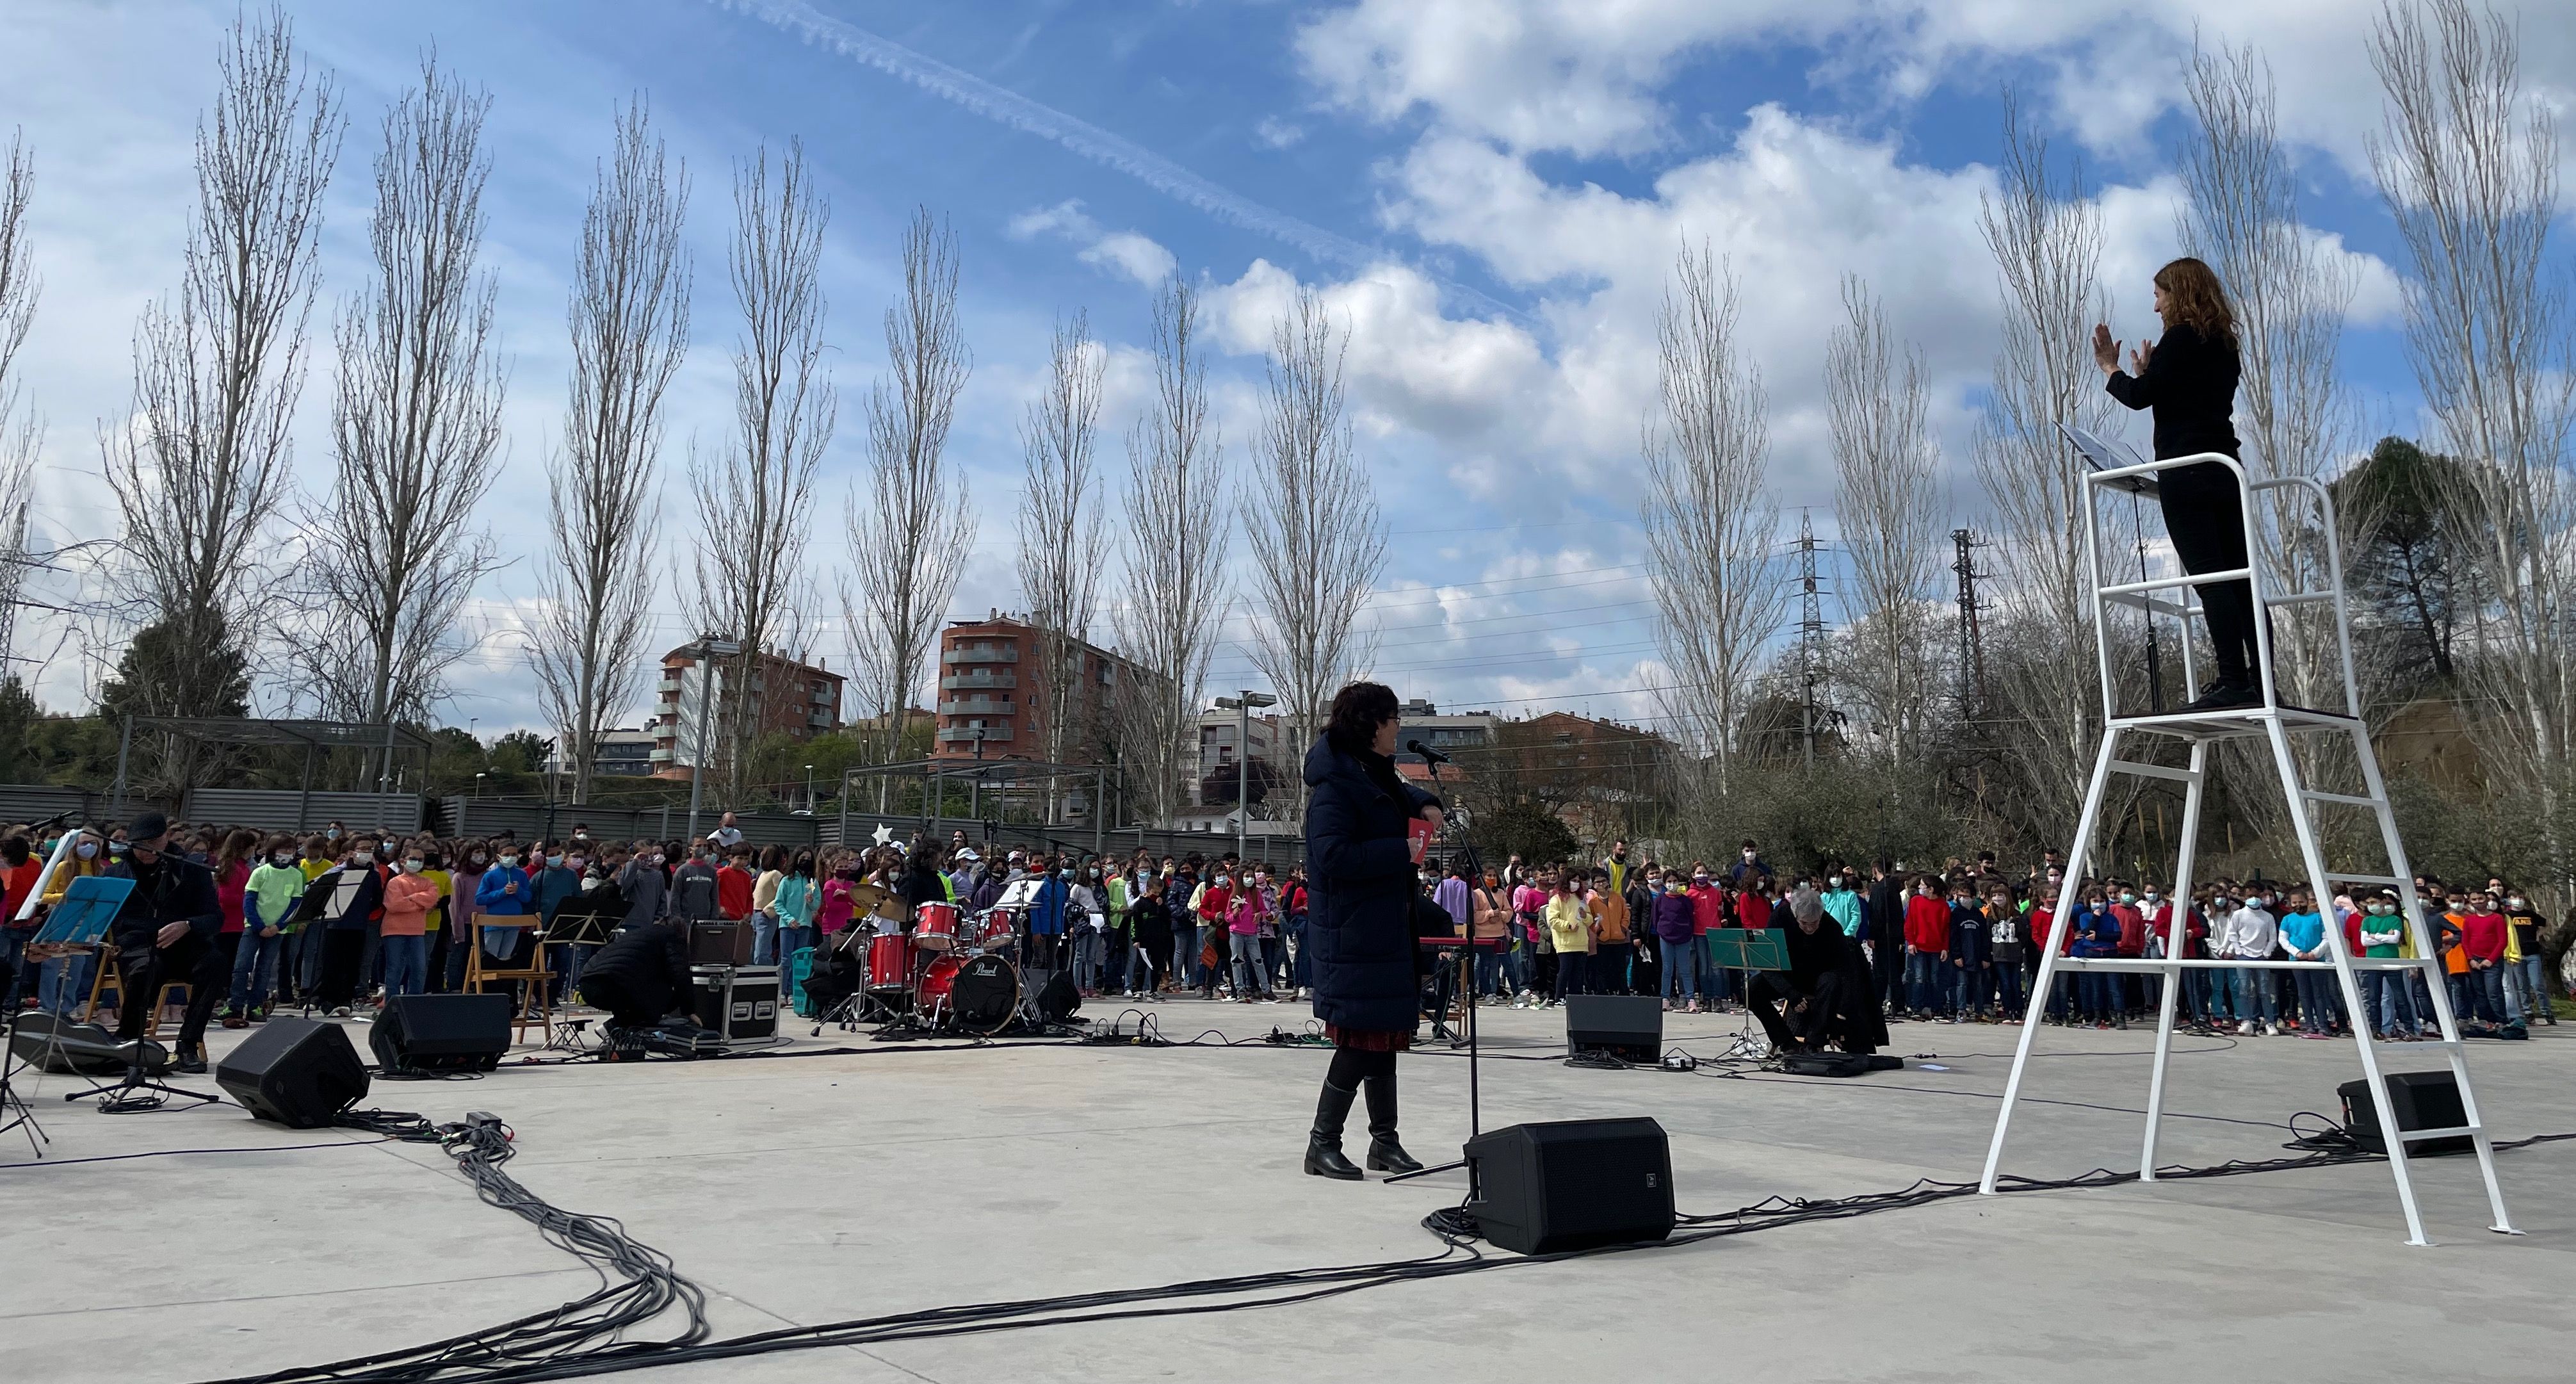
x: 289, y: 809
x: 554, y: 821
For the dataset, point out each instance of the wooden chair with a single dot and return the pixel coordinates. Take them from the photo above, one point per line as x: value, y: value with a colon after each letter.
x: 104, y: 977
x: 161, y: 1003
x: 481, y: 970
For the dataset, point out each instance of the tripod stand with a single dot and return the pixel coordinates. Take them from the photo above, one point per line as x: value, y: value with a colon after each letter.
x: 12, y: 1105
x: 137, y: 1093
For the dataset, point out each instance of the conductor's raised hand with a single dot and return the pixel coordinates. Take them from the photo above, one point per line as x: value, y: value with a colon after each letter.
x: 2106, y: 352
x: 2138, y: 358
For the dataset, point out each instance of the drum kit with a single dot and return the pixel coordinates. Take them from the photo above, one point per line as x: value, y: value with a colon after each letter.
x: 953, y: 972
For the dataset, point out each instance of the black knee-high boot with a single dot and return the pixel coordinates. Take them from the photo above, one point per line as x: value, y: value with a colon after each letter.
x: 1324, y: 1142
x: 1385, y: 1155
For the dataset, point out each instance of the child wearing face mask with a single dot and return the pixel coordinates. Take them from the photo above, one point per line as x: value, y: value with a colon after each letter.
x: 268, y: 903
x: 409, y: 896
x: 62, y: 982
x: 2526, y: 980
x: 355, y: 903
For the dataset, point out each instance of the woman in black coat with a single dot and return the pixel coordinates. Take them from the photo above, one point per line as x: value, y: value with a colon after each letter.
x: 2189, y: 379
x: 1361, y: 863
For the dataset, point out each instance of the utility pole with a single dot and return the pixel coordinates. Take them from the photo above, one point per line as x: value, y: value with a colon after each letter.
x: 1241, y: 704
x: 1972, y: 643
x: 1811, y: 637
x: 709, y: 649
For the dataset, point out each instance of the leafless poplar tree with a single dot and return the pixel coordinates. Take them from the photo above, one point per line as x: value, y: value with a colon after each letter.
x: 199, y: 466
x: 1887, y: 505
x: 629, y: 315
x: 1711, y: 522
x: 2469, y: 171
x: 2242, y: 216
x: 1059, y: 548
x: 909, y: 524
x: 21, y: 430
x: 754, y: 498
x: 2046, y: 237
x: 1176, y: 600
x: 1318, y: 543
x: 415, y: 418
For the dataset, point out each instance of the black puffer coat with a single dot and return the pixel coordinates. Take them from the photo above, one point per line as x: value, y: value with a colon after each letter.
x: 1362, y: 886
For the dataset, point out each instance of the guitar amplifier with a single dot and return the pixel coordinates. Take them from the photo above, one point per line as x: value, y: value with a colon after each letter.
x: 740, y: 1002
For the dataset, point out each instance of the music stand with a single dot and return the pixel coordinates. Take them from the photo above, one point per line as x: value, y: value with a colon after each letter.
x: 1744, y: 951
x: 1475, y: 1094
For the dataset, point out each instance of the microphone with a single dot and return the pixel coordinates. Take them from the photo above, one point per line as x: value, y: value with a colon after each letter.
x: 1428, y: 754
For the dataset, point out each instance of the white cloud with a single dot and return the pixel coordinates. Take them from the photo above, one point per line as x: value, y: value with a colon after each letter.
x: 1275, y: 133
x: 1125, y: 253
x: 1586, y: 78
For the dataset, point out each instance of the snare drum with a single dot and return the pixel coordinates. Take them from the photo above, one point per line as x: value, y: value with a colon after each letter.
x: 889, y: 964
x: 934, y: 927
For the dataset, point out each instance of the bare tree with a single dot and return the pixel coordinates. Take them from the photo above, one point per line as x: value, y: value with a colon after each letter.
x: 1059, y: 552
x: 21, y: 431
x: 629, y: 315
x: 2469, y: 169
x: 199, y: 465
x: 1318, y: 543
x: 2046, y: 237
x: 1887, y: 505
x: 1711, y: 522
x: 2242, y: 216
x: 910, y: 527
x: 754, y: 498
x: 1176, y: 600
x: 415, y: 418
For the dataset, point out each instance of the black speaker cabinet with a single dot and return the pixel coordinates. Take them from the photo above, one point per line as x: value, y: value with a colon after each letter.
x: 1572, y: 1184
x: 1629, y: 1026
x: 2422, y: 1100
x: 299, y: 1072
x: 441, y: 1033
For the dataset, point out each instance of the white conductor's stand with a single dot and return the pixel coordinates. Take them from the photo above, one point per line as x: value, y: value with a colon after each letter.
x: 2275, y: 724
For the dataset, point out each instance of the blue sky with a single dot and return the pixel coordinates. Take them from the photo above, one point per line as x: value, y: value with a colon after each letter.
x: 1494, y: 193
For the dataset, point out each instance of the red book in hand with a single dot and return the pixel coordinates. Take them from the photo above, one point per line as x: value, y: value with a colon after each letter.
x: 1418, y: 833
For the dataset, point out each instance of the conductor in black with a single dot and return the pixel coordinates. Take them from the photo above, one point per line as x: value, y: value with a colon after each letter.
x: 2188, y: 378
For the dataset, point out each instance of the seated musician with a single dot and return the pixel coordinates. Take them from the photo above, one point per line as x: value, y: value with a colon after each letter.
x: 1824, y: 996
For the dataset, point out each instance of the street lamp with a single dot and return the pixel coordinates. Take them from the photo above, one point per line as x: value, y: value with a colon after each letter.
x: 809, y: 790
x: 707, y: 649
x: 1241, y: 704
x: 478, y: 784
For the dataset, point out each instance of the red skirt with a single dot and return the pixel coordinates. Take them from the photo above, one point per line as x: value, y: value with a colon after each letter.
x: 1369, y: 1039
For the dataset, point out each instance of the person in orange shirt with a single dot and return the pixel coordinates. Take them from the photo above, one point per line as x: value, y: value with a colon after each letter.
x: 1612, y: 950
x: 409, y: 896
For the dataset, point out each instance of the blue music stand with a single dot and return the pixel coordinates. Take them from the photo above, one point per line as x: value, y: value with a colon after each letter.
x: 90, y: 904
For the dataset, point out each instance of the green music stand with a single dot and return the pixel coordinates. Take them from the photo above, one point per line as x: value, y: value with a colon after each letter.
x: 1745, y: 951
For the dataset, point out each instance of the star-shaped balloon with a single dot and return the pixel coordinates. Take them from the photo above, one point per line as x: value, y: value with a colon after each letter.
x: 884, y: 834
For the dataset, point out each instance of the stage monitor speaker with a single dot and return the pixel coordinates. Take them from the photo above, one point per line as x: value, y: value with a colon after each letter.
x: 1626, y: 1026
x: 1055, y: 994
x: 1838, y: 1063
x: 2422, y: 1100
x: 441, y: 1033
x: 299, y: 1072
x: 1572, y: 1184
x: 53, y: 1043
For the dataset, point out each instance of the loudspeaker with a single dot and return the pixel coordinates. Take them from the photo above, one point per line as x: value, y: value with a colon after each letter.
x: 299, y: 1072
x: 1572, y: 1184
x: 2422, y: 1100
x: 441, y: 1033
x: 1629, y: 1026
x: 1057, y: 996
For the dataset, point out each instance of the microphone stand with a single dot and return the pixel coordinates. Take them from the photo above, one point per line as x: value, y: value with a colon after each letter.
x: 1475, y: 1113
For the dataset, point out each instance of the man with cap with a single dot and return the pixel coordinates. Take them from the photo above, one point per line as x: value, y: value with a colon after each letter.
x: 165, y: 934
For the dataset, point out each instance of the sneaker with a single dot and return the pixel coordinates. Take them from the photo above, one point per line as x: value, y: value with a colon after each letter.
x: 2271, y: 1030
x: 2245, y: 1029
x: 235, y: 1021
x: 341, y: 1012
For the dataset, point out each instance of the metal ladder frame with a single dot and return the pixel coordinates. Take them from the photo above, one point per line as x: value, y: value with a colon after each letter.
x: 2276, y: 724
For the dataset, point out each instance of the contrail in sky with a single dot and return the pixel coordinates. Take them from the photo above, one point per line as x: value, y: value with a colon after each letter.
x: 1007, y: 107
